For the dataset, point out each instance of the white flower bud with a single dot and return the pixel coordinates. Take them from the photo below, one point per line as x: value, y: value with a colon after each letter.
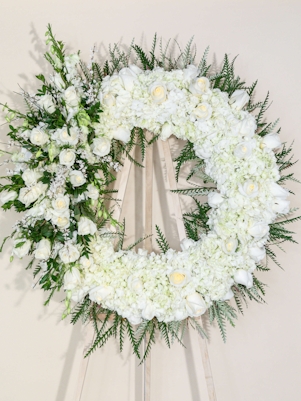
x: 257, y: 253
x: 271, y: 141
x: 243, y: 277
x: 195, y: 305
x: 239, y: 99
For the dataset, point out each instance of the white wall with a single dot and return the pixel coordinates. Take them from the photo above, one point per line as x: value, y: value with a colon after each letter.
x: 40, y: 355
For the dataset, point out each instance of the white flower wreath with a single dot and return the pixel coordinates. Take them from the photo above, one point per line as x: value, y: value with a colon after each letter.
x: 79, y: 124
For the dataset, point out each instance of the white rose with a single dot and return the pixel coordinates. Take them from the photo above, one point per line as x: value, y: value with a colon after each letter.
x: 257, y: 253
x: 71, y: 97
x: 60, y: 218
x: 58, y: 82
x: 108, y: 99
x: 77, y: 178
x: 249, y: 189
x: 229, y: 295
x: 43, y: 249
x: 199, y: 86
x: 186, y: 243
x: 61, y: 203
x: 38, y: 137
x: 121, y: 134
x: 148, y: 312
x: 128, y: 78
x: 243, y: 277
x: 8, y: 196
x: 239, y: 99
x: 72, y: 279
x: 46, y: 103
x: 271, y: 141
x: 258, y: 229
x: 69, y: 253
x: 135, y: 69
x: 158, y: 92
x: 190, y: 72
x: 166, y: 131
x: 278, y: 191
x: 85, y: 262
x: 135, y: 284
x: 179, y: 277
x: 281, y: 206
x: 67, y: 157
x: 30, y: 195
x: 86, y: 226
x: 31, y: 176
x: 215, y: 199
x: 247, y: 126
x: 67, y: 137
x: 101, y: 146
x: 230, y: 245
x: 203, y: 111
x: 244, y: 149
x: 92, y: 192
x: 100, y: 293
x: 21, y: 251
x: 195, y: 304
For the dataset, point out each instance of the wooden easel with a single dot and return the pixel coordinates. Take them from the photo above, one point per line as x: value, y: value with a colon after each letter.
x: 164, y: 150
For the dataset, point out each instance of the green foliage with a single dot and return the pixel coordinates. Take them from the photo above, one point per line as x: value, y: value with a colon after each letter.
x: 161, y: 240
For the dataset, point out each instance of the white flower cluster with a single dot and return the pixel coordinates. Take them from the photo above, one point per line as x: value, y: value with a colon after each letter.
x: 175, y: 285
